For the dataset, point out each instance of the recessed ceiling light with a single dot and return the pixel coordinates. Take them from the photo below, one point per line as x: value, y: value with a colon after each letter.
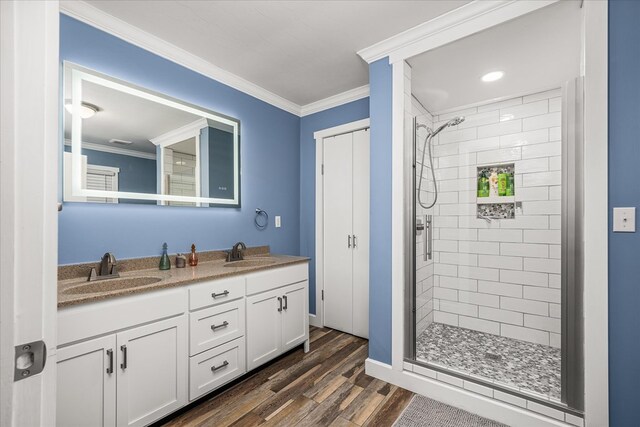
x: 493, y: 76
x: 86, y: 110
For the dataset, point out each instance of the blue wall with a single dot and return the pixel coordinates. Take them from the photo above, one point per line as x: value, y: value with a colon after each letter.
x: 270, y: 155
x: 351, y: 112
x: 380, y: 81
x: 624, y: 249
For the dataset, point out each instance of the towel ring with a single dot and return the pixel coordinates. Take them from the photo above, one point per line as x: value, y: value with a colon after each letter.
x: 261, y: 224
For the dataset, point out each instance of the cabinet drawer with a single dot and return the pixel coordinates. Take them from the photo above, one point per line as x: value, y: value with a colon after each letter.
x: 213, y: 368
x: 270, y: 279
x: 216, y: 325
x: 216, y: 292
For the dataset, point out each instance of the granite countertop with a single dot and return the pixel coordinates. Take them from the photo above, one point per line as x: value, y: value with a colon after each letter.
x: 213, y: 267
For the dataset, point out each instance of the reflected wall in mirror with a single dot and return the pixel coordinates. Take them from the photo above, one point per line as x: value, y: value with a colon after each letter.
x: 126, y: 144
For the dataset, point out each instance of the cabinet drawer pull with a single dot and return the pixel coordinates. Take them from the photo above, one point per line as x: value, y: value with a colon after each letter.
x: 123, y: 365
x: 284, y: 297
x: 280, y: 301
x: 110, y: 356
x: 221, y: 294
x: 224, y: 365
x: 222, y: 325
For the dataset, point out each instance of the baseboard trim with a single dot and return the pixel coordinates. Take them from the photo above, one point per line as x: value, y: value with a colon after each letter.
x: 460, y: 398
x: 314, y: 321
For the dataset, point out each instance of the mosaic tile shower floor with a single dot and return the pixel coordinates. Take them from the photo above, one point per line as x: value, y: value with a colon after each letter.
x: 517, y: 364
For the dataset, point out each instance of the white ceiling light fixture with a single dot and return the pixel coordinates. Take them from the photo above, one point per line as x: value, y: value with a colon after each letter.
x: 493, y: 76
x: 86, y: 110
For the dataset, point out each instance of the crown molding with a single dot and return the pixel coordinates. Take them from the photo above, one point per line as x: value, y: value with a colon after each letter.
x: 113, y: 150
x: 465, y: 20
x: 335, y: 100
x: 131, y: 34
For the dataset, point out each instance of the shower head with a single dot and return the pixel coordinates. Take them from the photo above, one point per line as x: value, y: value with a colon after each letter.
x: 453, y: 122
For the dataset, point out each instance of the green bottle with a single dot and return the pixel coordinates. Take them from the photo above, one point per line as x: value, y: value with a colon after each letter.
x: 502, y: 184
x: 510, y: 185
x: 165, y: 262
x: 483, y: 185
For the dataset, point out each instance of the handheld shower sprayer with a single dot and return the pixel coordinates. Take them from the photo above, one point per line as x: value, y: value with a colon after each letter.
x: 427, y: 145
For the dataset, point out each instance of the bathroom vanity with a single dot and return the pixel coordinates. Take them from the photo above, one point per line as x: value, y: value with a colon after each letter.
x: 132, y: 353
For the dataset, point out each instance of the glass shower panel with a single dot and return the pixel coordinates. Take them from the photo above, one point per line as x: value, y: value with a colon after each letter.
x: 488, y: 254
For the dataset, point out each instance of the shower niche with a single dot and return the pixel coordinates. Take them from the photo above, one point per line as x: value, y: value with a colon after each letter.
x: 496, y: 191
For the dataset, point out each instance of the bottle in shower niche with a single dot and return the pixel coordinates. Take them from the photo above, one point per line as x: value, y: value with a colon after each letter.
x: 483, y: 184
x: 165, y: 262
x: 502, y: 183
x: 493, y: 183
x: 511, y: 189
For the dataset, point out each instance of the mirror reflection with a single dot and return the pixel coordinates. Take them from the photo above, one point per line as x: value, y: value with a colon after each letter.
x: 130, y: 145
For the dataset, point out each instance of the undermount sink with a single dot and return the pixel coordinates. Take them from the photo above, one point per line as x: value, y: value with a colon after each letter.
x: 250, y: 263
x: 111, y: 285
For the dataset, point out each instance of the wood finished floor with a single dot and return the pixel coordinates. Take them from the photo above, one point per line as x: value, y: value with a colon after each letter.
x: 325, y: 387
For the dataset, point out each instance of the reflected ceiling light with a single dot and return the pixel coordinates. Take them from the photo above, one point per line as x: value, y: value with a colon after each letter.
x: 493, y: 76
x: 120, y: 141
x: 505, y: 117
x: 181, y: 163
x: 86, y: 110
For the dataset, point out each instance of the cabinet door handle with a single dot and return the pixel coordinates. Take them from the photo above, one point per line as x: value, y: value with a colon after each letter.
x: 354, y: 241
x: 123, y: 365
x: 221, y: 294
x: 222, y: 325
x: 349, y: 241
x: 223, y: 365
x: 280, y: 301
x: 284, y: 297
x: 110, y: 356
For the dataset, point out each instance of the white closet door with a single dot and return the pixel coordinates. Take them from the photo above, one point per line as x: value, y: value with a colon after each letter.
x: 338, y: 214
x: 361, y: 179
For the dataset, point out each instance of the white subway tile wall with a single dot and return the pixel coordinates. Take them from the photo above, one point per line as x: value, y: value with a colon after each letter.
x: 501, y: 277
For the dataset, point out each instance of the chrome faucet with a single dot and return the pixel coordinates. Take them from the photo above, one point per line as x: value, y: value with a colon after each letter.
x: 108, y: 269
x: 235, y: 254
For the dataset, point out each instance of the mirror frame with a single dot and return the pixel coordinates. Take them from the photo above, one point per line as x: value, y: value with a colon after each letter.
x: 80, y: 74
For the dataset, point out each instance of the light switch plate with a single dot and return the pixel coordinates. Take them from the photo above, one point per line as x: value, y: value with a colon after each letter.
x: 278, y: 222
x: 624, y: 220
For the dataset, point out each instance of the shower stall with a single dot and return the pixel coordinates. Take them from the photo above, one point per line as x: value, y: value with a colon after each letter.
x: 494, y: 294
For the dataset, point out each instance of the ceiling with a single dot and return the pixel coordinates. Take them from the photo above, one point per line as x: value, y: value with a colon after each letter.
x: 303, y: 51
x: 540, y: 50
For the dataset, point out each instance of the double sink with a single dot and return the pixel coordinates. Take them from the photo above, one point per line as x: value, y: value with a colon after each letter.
x: 132, y: 282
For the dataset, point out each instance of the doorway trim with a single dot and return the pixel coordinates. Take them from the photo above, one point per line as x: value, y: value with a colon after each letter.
x: 462, y: 22
x: 319, y: 136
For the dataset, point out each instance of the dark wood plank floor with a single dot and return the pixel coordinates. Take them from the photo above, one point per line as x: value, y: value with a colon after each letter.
x: 325, y: 387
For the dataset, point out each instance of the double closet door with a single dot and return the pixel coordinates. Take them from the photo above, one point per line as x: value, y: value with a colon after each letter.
x: 346, y: 232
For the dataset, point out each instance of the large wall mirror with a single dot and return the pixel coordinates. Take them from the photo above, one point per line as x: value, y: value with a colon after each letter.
x: 127, y: 144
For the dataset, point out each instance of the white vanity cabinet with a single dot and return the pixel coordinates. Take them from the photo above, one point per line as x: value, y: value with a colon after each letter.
x: 86, y: 388
x: 152, y: 371
x: 277, y: 313
x: 131, y: 378
x: 131, y: 360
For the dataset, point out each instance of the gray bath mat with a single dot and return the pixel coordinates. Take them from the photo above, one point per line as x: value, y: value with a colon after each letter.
x: 425, y: 412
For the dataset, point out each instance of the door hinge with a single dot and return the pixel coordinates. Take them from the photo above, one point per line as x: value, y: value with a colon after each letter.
x: 323, y: 295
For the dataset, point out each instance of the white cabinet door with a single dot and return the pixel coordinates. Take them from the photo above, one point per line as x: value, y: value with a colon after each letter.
x: 86, y: 384
x: 152, y: 371
x: 263, y: 327
x: 295, y: 315
x: 361, y: 179
x: 338, y: 235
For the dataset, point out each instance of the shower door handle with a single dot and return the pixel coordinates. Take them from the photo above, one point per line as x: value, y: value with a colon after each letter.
x: 428, y: 243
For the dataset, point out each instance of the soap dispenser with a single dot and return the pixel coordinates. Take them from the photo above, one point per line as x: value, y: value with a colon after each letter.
x: 193, y: 256
x: 165, y: 262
